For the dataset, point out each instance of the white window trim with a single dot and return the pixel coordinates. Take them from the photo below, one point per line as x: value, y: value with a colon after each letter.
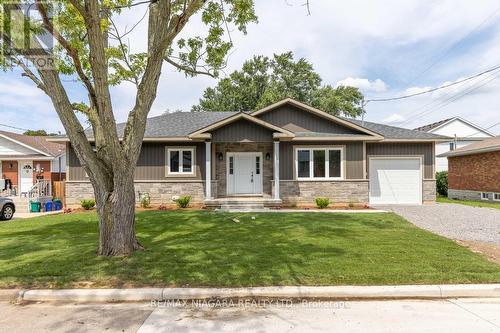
x: 311, y: 163
x: 180, y: 149
x: 487, y: 196
x: 494, y: 196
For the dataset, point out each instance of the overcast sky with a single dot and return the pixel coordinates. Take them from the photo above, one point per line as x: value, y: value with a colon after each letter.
x: 386, y: 48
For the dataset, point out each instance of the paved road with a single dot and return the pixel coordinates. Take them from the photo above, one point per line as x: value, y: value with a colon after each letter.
x: 464, y: 315
x: 454, y: 221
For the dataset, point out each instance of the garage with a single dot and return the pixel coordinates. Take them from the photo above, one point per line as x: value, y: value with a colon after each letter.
x: 395, y: 180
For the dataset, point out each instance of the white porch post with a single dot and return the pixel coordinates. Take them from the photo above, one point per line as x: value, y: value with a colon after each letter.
x: 276, y: 170
x: 208, y: 170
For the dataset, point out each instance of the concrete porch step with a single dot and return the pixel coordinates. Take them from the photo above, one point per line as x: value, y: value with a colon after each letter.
x: 242, y: 203
x: 242, y: 207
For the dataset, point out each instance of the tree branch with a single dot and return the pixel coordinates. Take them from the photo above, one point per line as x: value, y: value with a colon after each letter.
x: 79, y: 7
x: 28, y: 73
x: 125, y: 56
x: 191, y: 70
x: 97, y: 41
x: 72, y: 52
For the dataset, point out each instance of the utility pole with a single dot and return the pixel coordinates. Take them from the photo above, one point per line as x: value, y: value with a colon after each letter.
x: 363, y: 104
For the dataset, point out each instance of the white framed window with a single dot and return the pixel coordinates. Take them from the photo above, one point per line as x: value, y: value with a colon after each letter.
x: 316, y: 163
x: 485, y: 196
x: 496, y: 196
x: 180, y: 161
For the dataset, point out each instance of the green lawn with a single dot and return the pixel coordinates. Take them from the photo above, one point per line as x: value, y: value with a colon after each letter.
x: 470, y: 202
x: 200, y: 248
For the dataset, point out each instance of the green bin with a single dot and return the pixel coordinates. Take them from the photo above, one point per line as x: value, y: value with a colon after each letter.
x: 35, y: 207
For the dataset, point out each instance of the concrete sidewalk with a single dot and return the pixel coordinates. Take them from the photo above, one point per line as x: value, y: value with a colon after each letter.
x: 409, y: 316
x: 285, y: 292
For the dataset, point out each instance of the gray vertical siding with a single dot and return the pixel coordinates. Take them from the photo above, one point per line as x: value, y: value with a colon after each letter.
x: 404, y: 148
x: 151, y: 163
x: 242, y: 131
x: 74, y: 169
x: 297, y: 120
x: 353, y: 157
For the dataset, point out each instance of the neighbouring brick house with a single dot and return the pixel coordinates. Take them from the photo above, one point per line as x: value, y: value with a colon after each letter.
x: 474, y: 171
x: 286, y: 153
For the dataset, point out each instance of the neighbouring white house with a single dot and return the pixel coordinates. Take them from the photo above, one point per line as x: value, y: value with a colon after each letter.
x: 464, y: 133
x: 28, y: 160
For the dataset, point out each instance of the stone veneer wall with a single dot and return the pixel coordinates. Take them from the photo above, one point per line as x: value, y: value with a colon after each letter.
x: 220, y: 166
x: 160, y: 192
x: 468, y: 195
x: 356, y: 191
x: 429, y: 190
x: 292, y: 191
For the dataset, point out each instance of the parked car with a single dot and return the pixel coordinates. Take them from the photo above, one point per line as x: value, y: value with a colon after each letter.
x: 7, y: 209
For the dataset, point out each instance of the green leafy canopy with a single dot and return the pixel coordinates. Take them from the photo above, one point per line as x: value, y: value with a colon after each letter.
x: 263, y: 81
x: 203, y: 51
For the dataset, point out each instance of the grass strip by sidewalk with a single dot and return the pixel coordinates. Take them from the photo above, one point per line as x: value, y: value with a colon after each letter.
x: 486, y: 204
x: 201, y: 248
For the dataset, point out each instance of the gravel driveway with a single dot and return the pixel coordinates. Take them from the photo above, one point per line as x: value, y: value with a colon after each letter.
x: 454, y: 221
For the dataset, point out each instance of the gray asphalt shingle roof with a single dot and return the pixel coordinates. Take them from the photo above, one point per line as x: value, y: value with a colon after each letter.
x: 177, y: 124
x: 181, y: 124
x: 392, y: 132
x: 429, y: 127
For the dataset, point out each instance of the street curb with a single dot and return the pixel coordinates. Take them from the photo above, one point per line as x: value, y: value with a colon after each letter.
x: 285, y: 292
x: 9, y: 294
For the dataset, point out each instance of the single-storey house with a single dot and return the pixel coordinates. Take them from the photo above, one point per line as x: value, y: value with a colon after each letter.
x: 286, y: 153
x: 474, y: 171
x: 26, y: 160
x: 462, y: 132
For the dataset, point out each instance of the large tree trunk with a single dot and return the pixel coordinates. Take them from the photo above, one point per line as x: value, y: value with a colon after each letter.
x: 116, y: 208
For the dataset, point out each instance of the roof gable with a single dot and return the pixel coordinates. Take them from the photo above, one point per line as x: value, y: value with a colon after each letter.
x: 205, y: 132
x: 456, y: 126
x: 34, y: 144
x: 302, y: 121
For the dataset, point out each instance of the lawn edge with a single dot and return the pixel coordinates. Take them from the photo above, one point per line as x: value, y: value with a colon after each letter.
x: 279, y: 292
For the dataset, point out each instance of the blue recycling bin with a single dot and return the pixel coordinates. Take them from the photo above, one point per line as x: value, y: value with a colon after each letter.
x: 48, y: 206
x: 57, y: 205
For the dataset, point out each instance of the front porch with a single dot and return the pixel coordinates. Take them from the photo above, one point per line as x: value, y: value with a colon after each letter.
x: 241, y: 174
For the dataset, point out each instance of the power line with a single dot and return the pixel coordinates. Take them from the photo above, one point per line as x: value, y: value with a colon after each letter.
x: 452, y: 98
x: 448, y: 101
x: 451, y: 47
x: 433, y: 89
x: 13, y: 127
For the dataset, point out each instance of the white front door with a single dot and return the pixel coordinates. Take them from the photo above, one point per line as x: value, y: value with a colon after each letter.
x: 244, y: 173
x: 25, y: 176
x: 396, y: 180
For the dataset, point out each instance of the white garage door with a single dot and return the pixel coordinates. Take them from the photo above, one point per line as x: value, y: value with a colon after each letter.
x: 395, y: 181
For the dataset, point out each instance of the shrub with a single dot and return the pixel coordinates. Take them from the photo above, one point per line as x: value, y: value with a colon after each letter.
x: 87, y: 204
x: 146, y: 201
x: 442, y: 183
x: 163, y: 207
x: 322, y: 202
x: 183, y: 202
